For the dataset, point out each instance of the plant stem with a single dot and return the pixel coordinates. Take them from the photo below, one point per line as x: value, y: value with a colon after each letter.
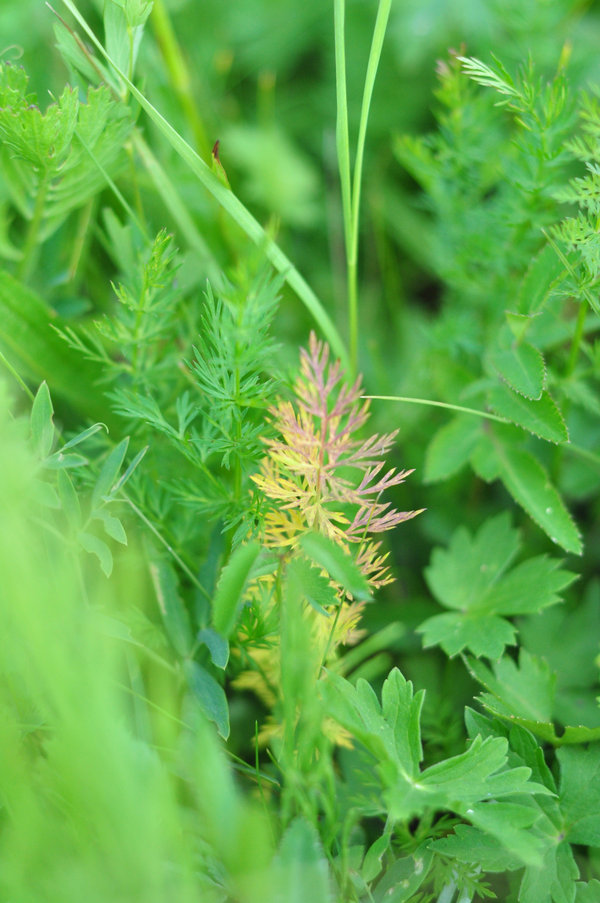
x: 577, y: 336
x: 438, y: 404
x: 351, y: 187
x: 179, y: 74
x: 27, y: 260
x: 383, y: 13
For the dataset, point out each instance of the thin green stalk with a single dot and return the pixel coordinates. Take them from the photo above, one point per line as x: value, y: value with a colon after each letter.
x: 438, y: 404
x: 383, y: 13
x: 342, y: 134
x: 16, y: 376
x: 179, y: 74
x: 577, y: 336
x: 225, y: 197
x: 33, y: 232
x: 351, y: 185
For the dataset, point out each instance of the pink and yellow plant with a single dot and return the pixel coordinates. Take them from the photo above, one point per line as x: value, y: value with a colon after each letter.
x: 320, y: 478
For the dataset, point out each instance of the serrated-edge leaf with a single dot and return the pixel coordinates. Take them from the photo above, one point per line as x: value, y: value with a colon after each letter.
x: 543, y: 273
x: 230, y: 588
x: 522, y: 366
x: 530, y: 486
x: 541, y: 417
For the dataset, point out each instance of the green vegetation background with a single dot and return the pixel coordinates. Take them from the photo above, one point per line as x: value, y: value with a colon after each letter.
x: 114, y: 785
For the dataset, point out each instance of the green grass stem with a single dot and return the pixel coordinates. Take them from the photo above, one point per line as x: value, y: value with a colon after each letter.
x: 351, y: 183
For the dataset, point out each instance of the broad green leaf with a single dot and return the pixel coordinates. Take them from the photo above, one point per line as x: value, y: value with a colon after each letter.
x: 401, y: 709
x: 217, y: 646
x: 451, y: 448
x: 470, y: 577
x: 567, y: 637
x: 359, y: 711
x: 579, y: 793
x: 471, y: 845
x: 372, y: 863
x: 461, y: 576
x: 109, y: 473
x: 481, y: 633
x: 43, y: 139
x: 543, y: 274
x: 530, y: 486
x: 530, y: 586
x: 519, y: 323
x: 97, y: 547
x: 404, y: 877
x: 588, y: 892
x: 172, y: 608
x: 554, y: 880
x: 458, y: 783
x: 510, y: 824
x: 340, y: 566
x: 542, y: 418
x: 302, y: 871
x: 523, y: 694
x: 522, y: 367
x: 209, y: 695
x: 42, y: 427
x: 230, y: 588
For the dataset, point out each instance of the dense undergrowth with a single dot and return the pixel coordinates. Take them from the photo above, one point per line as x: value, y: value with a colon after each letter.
x: 236, y: 665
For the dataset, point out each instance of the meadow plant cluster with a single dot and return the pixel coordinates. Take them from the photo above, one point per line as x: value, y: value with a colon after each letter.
x: 236, y: 667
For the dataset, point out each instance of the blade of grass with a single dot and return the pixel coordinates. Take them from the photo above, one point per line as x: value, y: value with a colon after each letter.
x: 229, y: 202
x: 351, y: 188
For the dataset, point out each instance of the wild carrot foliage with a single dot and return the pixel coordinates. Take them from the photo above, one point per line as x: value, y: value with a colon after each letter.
x: 234, y: 667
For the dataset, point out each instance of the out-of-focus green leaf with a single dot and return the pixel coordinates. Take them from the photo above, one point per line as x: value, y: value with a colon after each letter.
x: 522, y: 367
x: 230, y: 588
x: 340, y: 567
x: 42, y: 427
x: 209, y: 695
x: 302, y: 868
x: 172, y: 609
x: 451, y: 448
